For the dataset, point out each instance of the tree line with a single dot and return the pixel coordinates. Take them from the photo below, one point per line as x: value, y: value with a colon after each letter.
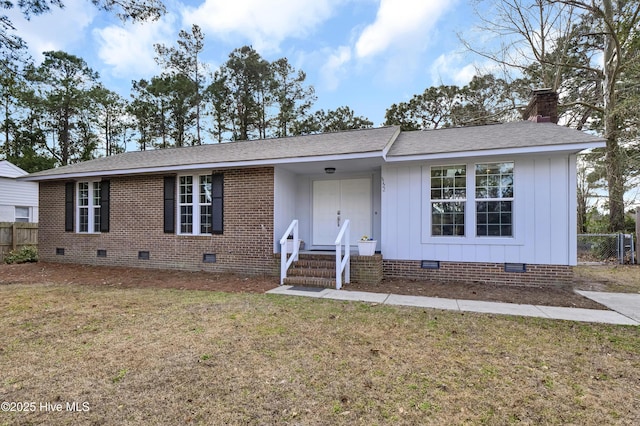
x: 588, y: 51
x: 59, y: 112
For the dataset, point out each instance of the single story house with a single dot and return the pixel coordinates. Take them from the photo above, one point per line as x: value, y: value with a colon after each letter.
x: 493, y: 203
x: 18, y: 199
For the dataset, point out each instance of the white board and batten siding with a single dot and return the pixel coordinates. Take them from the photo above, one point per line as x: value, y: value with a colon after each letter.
x: 544, y: 215
x: 284, y: 209
x: 16, y: 193
x: 294, y: 199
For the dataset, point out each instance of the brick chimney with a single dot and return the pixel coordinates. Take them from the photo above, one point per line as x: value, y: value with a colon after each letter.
x: 543, y: 107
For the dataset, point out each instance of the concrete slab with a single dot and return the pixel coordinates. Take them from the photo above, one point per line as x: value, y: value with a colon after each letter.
x: 586, y: 315
x: 289, y: 291
x: 422, y: 301
x: 500, y: 308
x: 358, y: 296
x: 627, y: 304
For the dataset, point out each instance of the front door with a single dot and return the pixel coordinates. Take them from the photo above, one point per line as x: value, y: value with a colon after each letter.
x: 334, y: 201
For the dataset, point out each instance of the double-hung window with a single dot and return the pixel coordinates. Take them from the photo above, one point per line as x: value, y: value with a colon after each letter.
x: 494, y: 199
x: 89, y: 207
x: 195, y: 204
x: 487, y: 206
x: 22, y: 214
x: 448, y: 200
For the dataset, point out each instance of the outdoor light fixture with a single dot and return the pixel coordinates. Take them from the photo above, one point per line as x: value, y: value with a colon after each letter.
x: 329, y: 170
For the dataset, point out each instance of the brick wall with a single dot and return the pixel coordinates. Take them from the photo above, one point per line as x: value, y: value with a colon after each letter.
x: 366, y: 269
x: 137, y: 225
x: 494, y: 273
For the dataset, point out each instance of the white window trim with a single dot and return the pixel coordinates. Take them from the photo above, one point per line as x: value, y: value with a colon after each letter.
x: 16, y: 217
x: 449, y: 200
x: 470, y: 237
x: 488, y: 200
x: 195, y: 205
x: 91, y: 207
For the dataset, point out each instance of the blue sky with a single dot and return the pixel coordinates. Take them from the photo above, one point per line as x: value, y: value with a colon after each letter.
x: 367, y: 54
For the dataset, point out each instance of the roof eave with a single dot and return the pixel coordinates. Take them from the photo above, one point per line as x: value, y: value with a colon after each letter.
x: 565, y: 148
x: 201, y: 166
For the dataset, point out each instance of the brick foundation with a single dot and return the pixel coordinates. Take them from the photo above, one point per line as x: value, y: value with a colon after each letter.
x: 137, y: 225
x: 493, y: 273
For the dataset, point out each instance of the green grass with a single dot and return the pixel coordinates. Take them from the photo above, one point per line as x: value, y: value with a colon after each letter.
x: 154, y: 356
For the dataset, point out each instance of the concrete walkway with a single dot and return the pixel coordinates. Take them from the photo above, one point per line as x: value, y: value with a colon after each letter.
x: 625, y: 309
x: 625, y: 303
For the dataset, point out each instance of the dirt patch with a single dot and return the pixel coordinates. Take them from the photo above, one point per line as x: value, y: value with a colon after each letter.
x: 63, y: 273
x: 57, y: 273
x: 546, y: 296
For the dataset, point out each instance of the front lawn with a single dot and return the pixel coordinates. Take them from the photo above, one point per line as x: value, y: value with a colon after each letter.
x: 163, y: 356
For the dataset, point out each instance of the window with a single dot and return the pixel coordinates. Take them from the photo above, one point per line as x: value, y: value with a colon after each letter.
x: 22, y: 214
x: 186, y: 204
x: 195, y: 204
x: 494, y: 199
x: 205, y: 204
x: 484, y: 210
x: 448, y: 200
x: 89, y: 207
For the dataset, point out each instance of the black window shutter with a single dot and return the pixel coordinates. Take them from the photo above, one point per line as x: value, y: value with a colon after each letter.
x: 217, y: 196
x: 69, y: 198
x: 169, y: 204
x: 105, y: 187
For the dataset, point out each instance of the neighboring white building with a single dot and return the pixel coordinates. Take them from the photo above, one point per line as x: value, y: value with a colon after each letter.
x: 18, y: 199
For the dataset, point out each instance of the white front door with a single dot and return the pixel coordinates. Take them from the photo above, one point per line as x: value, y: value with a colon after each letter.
x: 334, y: 201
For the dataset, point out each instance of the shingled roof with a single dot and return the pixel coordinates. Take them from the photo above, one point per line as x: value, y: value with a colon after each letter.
x: 359, y: 143
x: 512, y: 136
x: 384, y: 143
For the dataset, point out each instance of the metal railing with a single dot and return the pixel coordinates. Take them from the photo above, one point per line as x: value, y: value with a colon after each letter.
x: 342, y: 263
x: 284, y: 262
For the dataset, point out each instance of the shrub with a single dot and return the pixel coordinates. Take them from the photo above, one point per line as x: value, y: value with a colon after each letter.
x: 25, y: 254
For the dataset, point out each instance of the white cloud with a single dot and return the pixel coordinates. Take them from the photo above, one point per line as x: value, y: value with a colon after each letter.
x: 334, y: 67
x: 451, y: 68
x: 128, y: 49
x: 59, y: 29
x: 264, y: 23
x: 400, y: 23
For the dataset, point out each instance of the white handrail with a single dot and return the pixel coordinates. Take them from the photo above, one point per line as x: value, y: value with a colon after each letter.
x: 284, y: 262
x: 342, y: 263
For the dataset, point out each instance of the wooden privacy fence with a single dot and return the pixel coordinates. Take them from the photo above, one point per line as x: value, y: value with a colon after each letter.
x: 15, y: 235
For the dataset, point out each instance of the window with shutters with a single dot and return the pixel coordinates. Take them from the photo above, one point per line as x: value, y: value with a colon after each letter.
x: 88, y: 207
x: 199, y: 204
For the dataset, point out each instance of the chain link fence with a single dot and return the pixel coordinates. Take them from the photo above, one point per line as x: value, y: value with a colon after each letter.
x: 606, y: 248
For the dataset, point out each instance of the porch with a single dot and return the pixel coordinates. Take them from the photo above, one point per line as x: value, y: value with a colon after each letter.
x: 318, y: 269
